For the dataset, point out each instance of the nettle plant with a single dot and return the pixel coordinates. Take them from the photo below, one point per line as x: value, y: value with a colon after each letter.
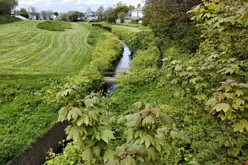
x: 102, y: 138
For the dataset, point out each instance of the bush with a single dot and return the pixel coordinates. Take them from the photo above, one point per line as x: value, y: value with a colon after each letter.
x: 8, y: 19
x: 97, y: 25
x: 138, y: 77
x: 135, y: 40
x: 108, y: 28
x: 54, y: 25
x: 147, y: 59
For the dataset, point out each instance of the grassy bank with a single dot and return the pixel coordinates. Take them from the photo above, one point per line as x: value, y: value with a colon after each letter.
x: 34, y: 63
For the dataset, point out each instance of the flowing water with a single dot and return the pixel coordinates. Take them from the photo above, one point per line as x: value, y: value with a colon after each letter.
x: 123, y: 66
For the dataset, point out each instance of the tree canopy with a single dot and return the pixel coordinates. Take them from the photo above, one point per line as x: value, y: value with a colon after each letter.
x: 7, y: 5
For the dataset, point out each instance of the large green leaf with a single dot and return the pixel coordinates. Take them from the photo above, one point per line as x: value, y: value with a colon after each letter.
x: 74, y: 113
x: 63, y: 112
x: 128, y: 160
x: 221, y: 107
x: 108, y: 155
x: 87, y: 155
x: 106, y: 135
x: 133, y: 120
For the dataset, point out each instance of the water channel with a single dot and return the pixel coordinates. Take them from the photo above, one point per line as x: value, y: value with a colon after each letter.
x: 122, y: 66
x: 37, y: 154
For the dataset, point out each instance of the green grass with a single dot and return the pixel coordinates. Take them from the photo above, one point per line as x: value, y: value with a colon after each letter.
x: 33, y: 61
x: 127, y: 28
x: 25, y: 49
x: 54, y: 25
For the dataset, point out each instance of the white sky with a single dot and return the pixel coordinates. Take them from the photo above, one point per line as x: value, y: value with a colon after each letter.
x: 66, y: 5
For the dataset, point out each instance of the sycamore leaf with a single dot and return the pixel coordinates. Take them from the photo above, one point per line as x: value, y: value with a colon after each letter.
x: 212, y: 102
x: 238, y: 127
x: 239, y: 101
x: 229, y: 95
x: 73, y: 132
x: 106, y: 135
x: 151, y: 154
x: 133, y: 120
x: 148, y: 121
x: 129, y: 133
x: 108, y: 155
x: 90, y: 102
x: 138, y: 104
x: 63, y: 112
x: 93, y: 115
x: 239, y: 92
x: 97, y: 151
x: 221, y: 106
x: 87, y: 155
x: 128, y: 160
x: 148, y: 140
x: 138, y: 133
x: 84, y: 119
x: 158, y: 144
x: 74, y: 113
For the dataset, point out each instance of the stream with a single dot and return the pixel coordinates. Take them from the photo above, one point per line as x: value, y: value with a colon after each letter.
x: 122, y: 66
x: 37, y: 154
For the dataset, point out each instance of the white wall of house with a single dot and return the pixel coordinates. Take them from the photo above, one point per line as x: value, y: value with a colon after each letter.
x: 137, y: 14
x: 32, y: 17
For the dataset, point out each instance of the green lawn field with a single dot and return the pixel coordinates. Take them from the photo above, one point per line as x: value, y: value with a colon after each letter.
x: 25, y: 49
x: 31, y: 61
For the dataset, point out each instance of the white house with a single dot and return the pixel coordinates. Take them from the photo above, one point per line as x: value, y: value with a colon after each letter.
x: 137, y: 14
x: 34, y: 15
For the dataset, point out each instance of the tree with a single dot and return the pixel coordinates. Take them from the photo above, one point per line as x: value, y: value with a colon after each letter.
x: 24, y: 13
x: 119, y: 4
x: 169, y: 19
x: 75, y: 15
x: 7, y: 5
x: 122, y: 17
x: 46, y: 14
x: 100, y: 13
x: 63, y: 16
x: 118, y: 12
x: 56, y: 14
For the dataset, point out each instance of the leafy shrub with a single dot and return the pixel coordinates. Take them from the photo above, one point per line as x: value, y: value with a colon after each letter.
x: 108, y: 28
x: 54, y: 25
x: 97, y: 25
x: 149, y: 58
x: 134, y: 40
x: 138, y: 77
x: 8, y: 19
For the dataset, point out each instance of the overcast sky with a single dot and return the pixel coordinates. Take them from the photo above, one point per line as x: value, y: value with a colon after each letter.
x: 66, y: 5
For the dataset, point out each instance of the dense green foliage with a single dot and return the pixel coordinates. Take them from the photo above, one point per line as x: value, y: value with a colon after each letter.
x: 54, y: 25
x: 118, y: 12
x: 29, y: 76
x: 7, y: 5
x: 8, y: 19
x: 169, y: 21
x: 182, y: 129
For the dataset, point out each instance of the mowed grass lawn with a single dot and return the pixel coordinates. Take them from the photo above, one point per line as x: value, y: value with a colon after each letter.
x: 25, y: 49
x: 31, y: 61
